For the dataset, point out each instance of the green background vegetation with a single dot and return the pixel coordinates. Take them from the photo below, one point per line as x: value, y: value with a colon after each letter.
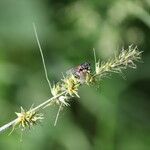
x: 115, y: 115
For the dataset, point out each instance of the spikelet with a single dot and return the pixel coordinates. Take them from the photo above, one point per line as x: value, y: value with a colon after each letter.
x: 28, y: 118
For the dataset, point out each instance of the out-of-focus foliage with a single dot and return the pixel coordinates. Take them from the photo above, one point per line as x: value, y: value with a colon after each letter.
x: 112, y: 116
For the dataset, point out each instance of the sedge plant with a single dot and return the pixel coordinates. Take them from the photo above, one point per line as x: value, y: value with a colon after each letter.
x: 68, y: 87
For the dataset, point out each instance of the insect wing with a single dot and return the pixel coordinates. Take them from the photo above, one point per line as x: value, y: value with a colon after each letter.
x: 71, y: 71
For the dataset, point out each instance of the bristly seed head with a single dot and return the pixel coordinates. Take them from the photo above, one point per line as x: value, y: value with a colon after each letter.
x: 125, y: 59
x: 56, y: 89
x: 71, y: 85
x: 28, y: 118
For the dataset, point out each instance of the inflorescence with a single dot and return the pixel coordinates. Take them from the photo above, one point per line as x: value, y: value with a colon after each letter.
x: 63, y: 91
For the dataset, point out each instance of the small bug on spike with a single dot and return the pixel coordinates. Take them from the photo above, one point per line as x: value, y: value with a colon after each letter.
x: 80, y: 71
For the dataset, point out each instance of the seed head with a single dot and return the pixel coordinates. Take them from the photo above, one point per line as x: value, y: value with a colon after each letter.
x: 126, y: 58
x: 56, y: 89
x: 28, y: 118
x: 71, y: 84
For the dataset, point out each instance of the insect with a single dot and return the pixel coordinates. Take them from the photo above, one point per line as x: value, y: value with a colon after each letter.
x: 80, y: 71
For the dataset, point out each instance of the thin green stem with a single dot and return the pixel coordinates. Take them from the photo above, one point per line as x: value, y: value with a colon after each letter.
x: 40, y: 106
x: 8, y: 125
x: 47, y: 102
x: 58, y: 114
x: 43, y: 60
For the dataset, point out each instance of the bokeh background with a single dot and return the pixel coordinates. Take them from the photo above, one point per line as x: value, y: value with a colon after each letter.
x: 115, y: 115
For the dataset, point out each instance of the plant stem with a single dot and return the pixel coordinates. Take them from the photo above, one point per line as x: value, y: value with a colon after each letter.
x: 8, y: 125
x: 12, y: 123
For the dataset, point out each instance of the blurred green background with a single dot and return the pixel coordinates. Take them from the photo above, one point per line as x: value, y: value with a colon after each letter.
x: 112, y: 116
